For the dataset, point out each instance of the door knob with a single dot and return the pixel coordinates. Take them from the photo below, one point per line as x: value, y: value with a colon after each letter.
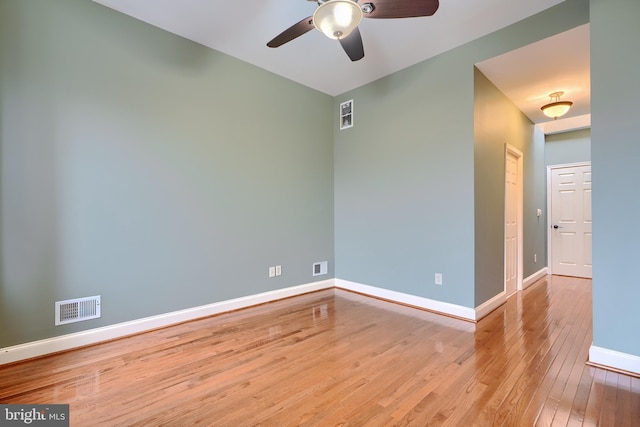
x: 556, y: 226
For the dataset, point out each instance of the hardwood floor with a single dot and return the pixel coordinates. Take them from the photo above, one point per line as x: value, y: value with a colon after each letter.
x: 337, y: 358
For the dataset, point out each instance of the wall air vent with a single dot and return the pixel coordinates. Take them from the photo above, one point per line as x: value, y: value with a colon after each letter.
x: 76, y: 310
x: 320, y: 268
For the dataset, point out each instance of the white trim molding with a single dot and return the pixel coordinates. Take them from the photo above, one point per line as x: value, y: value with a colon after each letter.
x: 445, y: 308
x: 615, y: 360
x: 408, y: 299
x: 530, y: 280
x: 92, y: 336
x: 491, y: 304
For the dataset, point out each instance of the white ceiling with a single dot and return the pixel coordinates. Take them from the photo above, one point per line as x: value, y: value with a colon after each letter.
x: 242, y: 29
x: 528, y: 75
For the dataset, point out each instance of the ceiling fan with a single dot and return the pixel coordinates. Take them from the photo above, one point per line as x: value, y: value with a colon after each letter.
x: 339, y: 19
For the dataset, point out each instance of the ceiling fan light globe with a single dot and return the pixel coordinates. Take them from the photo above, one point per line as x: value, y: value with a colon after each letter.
x: 337, y: 18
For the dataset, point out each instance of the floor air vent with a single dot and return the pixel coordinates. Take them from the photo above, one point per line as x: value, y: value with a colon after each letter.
x: 76, y: 310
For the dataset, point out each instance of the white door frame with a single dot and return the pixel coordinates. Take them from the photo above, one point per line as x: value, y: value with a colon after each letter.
x: 551, y: 168
x: 510, y: 149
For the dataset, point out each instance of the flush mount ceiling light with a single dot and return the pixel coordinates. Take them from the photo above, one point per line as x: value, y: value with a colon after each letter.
x: 556, y: 108
x: 337, y: 18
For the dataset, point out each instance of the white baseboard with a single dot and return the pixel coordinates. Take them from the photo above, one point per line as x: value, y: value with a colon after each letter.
x: 93, y: 336
x: 490, y: 305
x: 454, y: 310
x: 534, y: 277
x: 614, y: 359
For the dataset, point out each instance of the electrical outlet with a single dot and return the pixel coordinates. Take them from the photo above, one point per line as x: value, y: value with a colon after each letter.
x: 272, y: 272
x: 438, y: 278
x: 278, y: 270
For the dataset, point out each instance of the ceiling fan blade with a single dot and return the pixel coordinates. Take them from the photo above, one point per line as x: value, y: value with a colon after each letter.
x: 385, y: 9
x: 294, y: 31
x: 352, y: 45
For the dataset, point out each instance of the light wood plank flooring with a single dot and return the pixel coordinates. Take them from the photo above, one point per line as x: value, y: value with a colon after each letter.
x: 334, y: 358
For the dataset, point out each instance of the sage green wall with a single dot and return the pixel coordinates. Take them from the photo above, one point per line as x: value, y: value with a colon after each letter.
x: 535, y: 189
x: 497, y: 121
x: 615, y: 151
x: 404, y: 174
x: 163, y: 175
x: 148, y: 169
x: 404, y: 183
x: 568, y: 147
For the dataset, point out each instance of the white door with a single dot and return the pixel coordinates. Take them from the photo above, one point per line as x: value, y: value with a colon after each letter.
x: 511, y: 223
x: 570, y: 221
